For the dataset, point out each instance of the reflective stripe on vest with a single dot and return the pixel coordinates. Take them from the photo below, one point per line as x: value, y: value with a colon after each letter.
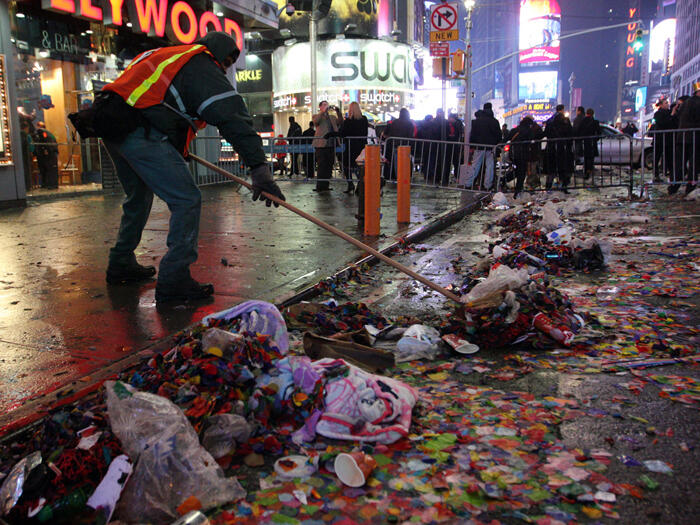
x: 145, y: 82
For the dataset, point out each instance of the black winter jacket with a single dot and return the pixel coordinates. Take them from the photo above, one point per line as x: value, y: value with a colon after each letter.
x: 201, y: 90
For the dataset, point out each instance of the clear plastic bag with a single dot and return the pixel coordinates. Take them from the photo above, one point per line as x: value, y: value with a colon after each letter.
x: 550, y: 217
x: 418, y: 342
x: 221, y: 339
x: 224, y: 432
x: 170, y: 464
x: 576, y: 207
x: 489, y: 292
x: 561, y: 235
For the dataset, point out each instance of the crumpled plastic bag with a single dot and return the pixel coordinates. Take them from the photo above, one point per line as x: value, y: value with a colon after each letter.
x: 591, y: 243
x: 499, y: 199
x: 693, y: 195
x: 224, y: 432
x: 639, y: 219
x: 576, y: 206
x: 257, y: 317
x: 489, y: 292
x: 225, y: 341
x: 170, y: 464
x: 550, y: 217
x: 13, y: 485
x: 418, y: 342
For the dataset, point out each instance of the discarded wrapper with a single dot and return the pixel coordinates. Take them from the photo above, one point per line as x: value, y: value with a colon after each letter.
x: 193, y: 517
x: 560, y: 333
x: 459, y: 345
x: 295, y: 467
x: 353, y: 469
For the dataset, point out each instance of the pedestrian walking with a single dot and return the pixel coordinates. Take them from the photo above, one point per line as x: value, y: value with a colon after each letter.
x: 589, y: 128
x: 661, y: 125
x: 164, y: 96
x: 576, y: 124
x: 293, y: 134
x: 559, y: 150
x: 353, y: 130
x: 327, y: 126
x: 504, y: 132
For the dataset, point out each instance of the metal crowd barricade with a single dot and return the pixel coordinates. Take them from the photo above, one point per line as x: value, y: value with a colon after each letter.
x: 675, y: 158
x: 555, y: 163
x: 437, y: 162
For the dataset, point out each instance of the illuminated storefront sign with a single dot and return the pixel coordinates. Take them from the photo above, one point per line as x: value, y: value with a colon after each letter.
x: 154, y: 17
x: 367, y: 98
x: 540, y: 28
x: 5, y: 145
x: 538, y: 110
x: 351, y: 64
x: 257, y: 75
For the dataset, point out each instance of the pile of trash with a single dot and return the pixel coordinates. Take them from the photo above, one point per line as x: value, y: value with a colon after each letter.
x: 511, y: 307
x: 541, y: 238
x: 225, y: 392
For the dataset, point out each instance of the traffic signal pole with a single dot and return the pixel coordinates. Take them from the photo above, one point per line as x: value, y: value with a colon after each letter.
x: 313, y: 31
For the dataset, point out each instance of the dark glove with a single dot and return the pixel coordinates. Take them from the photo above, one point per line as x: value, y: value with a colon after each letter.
x: 263, y: 182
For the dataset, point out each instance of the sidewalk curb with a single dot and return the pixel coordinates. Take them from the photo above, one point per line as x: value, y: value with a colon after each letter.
x: 34, y: 411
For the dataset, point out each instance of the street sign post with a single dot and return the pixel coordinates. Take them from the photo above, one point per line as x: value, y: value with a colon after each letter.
x: 443, y: 23
x: 439, y: 49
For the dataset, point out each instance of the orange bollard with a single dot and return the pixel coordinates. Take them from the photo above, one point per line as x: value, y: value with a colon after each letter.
x: 372, y: 189
x: 403, y: 189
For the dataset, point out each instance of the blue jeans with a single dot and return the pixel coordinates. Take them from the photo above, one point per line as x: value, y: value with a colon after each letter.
x: 147, y: 166
x: 481, y: 156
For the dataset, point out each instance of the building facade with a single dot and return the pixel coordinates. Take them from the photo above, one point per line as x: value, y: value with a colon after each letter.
x: 57, y: 53
x: 686, y: 68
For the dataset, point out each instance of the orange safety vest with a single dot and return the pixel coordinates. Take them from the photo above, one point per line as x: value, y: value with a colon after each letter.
x: 146, y: 80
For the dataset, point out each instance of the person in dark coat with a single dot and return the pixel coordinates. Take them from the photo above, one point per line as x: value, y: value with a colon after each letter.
x: 520, y: 150
x: 589, y: 127
x: 560, y: 158
x: 505, y: 132
x: 630, y: 129
x: 423, y: 147
x: 456, y: 136
x: 687, y: 153
x: 576, y: 124
x: 662, y: 125
x: 353, y: 130
x: 308, y: 157
x: 150, y: 159
x: 293, y: 134
x: 46, y: 153
x: 400, y: 128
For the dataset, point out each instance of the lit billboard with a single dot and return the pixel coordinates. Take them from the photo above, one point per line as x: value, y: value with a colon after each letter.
x: 540, y: 28
x: 537, y: 85
x: 662, y: 46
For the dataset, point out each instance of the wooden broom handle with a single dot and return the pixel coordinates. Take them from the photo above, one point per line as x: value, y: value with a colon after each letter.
x: 335, y: 231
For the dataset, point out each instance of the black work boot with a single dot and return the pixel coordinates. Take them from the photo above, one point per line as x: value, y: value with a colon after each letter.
x: 129, y: 273
x: 185, y: 290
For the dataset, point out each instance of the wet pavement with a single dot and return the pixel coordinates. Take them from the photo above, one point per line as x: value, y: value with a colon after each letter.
x: 60, y: 322
x: 510, y: 434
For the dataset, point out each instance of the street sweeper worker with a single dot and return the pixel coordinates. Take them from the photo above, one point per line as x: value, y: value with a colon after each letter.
x: 171, y: 92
